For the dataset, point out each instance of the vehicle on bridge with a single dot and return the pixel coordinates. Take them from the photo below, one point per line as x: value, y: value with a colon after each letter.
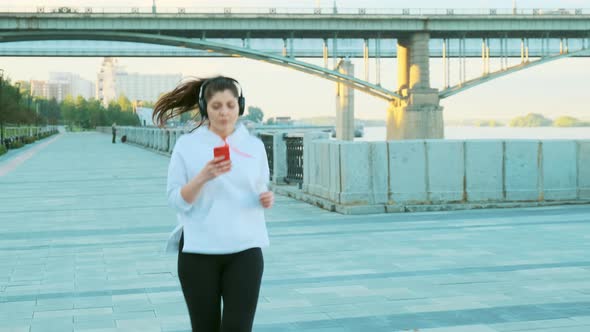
x: 64, y: 10
x: 559, y: 11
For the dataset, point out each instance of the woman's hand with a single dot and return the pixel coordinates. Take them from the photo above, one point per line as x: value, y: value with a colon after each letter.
x: 215, y: 168
x: 267, y: 199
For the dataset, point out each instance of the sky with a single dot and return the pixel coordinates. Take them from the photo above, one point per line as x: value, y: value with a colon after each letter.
x: 556, y: 88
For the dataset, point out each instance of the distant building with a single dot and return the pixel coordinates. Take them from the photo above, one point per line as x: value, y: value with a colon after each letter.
x: 24, y: 85
x: 106, y: 81
x: 61, y: 85
x: 113, y: 81
x: 281, y: 120
x: 78, y: 86
x: 57, y: 90
x: 145, y: 116
x: 38, y: 88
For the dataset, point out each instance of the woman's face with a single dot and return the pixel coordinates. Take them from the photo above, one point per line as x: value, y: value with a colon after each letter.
x: 223, y: 112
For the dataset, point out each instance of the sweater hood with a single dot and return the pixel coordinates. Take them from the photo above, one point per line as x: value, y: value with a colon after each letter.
x: 205, y: 135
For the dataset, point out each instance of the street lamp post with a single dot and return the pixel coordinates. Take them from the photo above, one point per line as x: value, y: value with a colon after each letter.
x: 1, y: 116
x: 37, y: 114
x: 514, y: 7
x: 17, y: 85
x: 29, y: 104
x: 18, y: 96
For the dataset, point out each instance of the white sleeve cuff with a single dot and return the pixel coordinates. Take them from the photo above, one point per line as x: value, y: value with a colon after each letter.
x: 180, y: 202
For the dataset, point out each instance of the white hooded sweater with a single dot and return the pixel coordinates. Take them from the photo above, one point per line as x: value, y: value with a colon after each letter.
x: 227, y: 216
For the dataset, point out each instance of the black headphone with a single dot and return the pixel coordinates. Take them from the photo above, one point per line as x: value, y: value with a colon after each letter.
x: 203, y: 102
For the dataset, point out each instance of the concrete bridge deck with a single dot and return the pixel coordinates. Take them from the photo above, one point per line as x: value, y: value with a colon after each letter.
x: 83, y: 225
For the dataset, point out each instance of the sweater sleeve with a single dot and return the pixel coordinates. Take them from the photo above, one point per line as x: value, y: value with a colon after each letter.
x: 177, y: 178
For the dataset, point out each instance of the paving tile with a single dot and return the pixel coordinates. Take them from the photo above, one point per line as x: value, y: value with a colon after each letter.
x: 86, y: 255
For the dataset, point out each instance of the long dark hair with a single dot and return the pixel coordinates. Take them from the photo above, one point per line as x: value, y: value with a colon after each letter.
x: 185, y: 98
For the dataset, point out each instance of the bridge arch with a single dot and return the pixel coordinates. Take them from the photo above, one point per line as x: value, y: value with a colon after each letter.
x: 448, y: 92
x: 201, y: 44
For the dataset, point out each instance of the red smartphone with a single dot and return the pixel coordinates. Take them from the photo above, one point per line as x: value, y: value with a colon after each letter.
x: 221, y: 151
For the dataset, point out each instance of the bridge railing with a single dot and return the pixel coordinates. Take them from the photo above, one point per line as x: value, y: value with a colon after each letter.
x: 75, y: 10
x: 283, y: 145
x: 285, y: 149
x: 365, y: 177
x: 268, y: 141
x: 393, y: 176
x: 25, y: 134
x: 294, y: 145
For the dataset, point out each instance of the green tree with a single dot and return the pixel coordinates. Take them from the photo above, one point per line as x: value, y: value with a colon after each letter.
x: 531, y: 120
x: 147, y: 104
x: 568, y: 121
x: 113, y: 111
x: 49, y: 111
x: 82, y: 112
x: 68, y: 110
x: 18, y: 107
x: 97, y: 114
x: 129, y: 119
x: 53, y: 112
x: 10, y: 104
x: 125, y: 103
x: 255, y: 114
x: 488, y: 123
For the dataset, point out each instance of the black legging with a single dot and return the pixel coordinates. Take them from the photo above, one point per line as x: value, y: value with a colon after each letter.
x: 206, y: 278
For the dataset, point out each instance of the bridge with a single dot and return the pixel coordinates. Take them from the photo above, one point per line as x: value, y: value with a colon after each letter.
x: 536, y: 36
x: 84, y: 224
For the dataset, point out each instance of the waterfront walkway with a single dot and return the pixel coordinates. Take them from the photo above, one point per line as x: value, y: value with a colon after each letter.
x: 83, y: 224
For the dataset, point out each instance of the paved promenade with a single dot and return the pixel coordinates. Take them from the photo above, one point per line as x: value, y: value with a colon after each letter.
x: 83, y: 224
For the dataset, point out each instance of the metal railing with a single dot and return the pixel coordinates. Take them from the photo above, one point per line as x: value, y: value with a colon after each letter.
x: 294, y: 159
x: 228, y: 11
x: 24, y: 134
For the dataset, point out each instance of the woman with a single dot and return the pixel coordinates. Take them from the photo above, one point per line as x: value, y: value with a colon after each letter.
x: 219, y: 203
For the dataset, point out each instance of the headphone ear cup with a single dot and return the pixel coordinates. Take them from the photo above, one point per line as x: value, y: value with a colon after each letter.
x: 241, y: 104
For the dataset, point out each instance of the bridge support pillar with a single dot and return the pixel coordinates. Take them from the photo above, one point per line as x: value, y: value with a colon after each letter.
x: 345, y: 104
x: 419, y: 114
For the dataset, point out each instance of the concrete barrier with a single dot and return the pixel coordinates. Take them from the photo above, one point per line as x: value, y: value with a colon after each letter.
x: 484, y: 163
x: 583, y: 151
x: 421, y: 175
x: 559, y: 177
x: 279, y: 161
x: 362, y: 178
x: 310, y: 160
x: 158, y: 140
x: 321, y: 161
x: 521, y: 164
x: 445, y: 170
x: 311, y: 166
x: 324, y: 170
x: 172, y: 140
x: 331, y: 157
x: 407, y: 171
x: 443, y: 173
